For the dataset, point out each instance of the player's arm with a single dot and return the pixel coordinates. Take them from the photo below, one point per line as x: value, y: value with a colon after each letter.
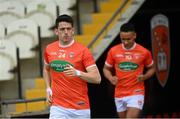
x: 91, y: 75
x: 46, y: 76
x: 149, y: 73
x: 109, y: 74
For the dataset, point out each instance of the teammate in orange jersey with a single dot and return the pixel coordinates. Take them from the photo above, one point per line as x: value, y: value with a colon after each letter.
x: 124, y: 68
x: 68, y: 66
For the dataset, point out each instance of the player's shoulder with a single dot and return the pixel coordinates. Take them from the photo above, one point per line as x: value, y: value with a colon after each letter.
x: 115, y: 47
x: 80, y: 46
x: 52, y: 44
x: 142, y: 48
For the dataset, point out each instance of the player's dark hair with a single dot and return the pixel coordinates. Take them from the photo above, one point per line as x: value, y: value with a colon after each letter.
x: 127, y: 27
x: 64, y: 18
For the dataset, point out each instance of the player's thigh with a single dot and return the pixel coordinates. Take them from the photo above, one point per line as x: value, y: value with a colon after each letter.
x: 133, y: 112
x: 136, y: 101
x: 134, y: 105
x: 122, y: 114
x: 121, y: 105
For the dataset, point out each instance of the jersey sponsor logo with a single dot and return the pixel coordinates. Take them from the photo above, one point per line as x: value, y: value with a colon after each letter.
x: 59, y: 65
x: 128, y: 66
x: 161, y: 47
x: 138, y: 90
x: 81, y: 103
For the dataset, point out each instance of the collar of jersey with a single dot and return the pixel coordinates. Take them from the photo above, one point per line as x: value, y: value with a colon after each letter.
x: 129, y: 48
x: 65, y: 46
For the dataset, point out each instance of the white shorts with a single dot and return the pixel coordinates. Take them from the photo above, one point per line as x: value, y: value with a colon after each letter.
x: 58, y: 112
x: 136, y: 101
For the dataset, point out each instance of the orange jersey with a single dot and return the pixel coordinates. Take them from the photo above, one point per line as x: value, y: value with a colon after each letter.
x: 128, y: 65
x: 69, y: 92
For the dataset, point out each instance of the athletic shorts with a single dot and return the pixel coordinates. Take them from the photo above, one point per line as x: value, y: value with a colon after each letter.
x: 58, y: 112
x: 136, y: 101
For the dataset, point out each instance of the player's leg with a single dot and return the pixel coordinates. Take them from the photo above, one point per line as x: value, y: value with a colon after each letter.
x: 133, y: 112
x: 121, y: 107
x: 122, y: 114
x: 134, y: 106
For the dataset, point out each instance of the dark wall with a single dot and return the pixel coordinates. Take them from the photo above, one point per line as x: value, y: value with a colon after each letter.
x: 159, y: 100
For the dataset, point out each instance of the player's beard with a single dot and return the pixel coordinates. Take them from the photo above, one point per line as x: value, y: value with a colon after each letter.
x: 129, y: 45
x: 66, y: 40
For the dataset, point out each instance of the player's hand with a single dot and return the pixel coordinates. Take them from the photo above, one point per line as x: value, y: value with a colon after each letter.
x: 114, y: 80
x: 140, y: 78
x: 49, y: 96
x: 69, y: 70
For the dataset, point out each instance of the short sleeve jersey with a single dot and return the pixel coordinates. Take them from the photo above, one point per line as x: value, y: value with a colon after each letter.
x: 69, y: 92
x: 128, y: 64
